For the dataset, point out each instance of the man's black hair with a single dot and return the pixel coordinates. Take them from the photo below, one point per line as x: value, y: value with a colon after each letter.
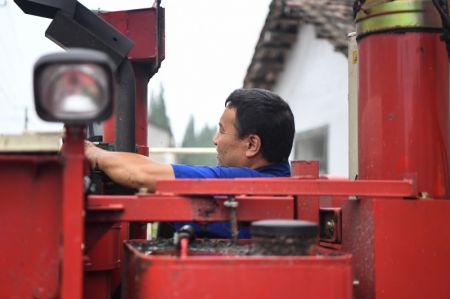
x: 262, y: 112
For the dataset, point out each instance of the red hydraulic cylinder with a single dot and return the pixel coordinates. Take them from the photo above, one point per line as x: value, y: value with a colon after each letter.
x: 403, y: 110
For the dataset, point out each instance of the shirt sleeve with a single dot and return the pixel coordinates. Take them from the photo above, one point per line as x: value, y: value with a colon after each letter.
x: 214, y: 172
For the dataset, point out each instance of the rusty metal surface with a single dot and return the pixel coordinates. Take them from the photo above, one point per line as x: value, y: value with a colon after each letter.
x: 288, y: 186
x: 177, y: 208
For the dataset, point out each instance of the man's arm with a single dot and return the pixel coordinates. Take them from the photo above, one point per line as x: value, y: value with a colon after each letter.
x: 128, y: 169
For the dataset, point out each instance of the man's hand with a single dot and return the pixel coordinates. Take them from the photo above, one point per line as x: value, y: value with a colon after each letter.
x: 91, y: 152
x: 128, y: 169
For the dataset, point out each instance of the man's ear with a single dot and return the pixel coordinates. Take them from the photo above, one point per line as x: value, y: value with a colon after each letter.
x: 253, y: 145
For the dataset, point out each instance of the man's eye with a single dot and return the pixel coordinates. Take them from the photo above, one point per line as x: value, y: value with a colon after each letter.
x: 220, y: 130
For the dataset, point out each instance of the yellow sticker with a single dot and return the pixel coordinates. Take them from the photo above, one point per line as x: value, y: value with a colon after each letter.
x: 355, y: 57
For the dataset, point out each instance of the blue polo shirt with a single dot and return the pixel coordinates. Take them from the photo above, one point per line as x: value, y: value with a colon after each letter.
x: 222, y: 229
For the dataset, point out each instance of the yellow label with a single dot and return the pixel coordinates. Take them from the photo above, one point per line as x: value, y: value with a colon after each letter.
x: 354, y: 57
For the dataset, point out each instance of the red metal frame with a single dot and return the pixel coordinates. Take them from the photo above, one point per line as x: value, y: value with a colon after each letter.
x: 42, y: 222
x: 30, y: 223
x: 73, y: 213
x: 177, y: 208
x: 146, y: 28
x: 288, y: 186
x: 305, y: 169
x: 306, y: 207
x: 237, y: 276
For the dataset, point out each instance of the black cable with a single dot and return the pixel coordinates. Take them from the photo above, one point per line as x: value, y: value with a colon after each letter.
x: 442, y: 8
x: 357, y: 7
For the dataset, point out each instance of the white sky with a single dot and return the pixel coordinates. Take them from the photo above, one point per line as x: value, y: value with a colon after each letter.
x: 209, y: 45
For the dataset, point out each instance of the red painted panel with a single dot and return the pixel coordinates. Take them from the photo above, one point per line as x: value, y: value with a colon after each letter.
x: 30, y: 226
x: 411, y: 249
x: 239, y: 277
x: 97, y: 285
x: 403, y: 110
x: 139, y: 26
x: 400, y: 248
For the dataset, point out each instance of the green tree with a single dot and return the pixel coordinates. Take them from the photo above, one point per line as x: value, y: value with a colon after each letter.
x: 202, y: 139
x: 189, y: 134
x: 157, y: 110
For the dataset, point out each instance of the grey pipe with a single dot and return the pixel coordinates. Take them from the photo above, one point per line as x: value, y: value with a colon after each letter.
x: 125, y: 122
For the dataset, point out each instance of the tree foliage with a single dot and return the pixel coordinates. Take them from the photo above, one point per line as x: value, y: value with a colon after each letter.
x: 201, y: 139
x: 157, y: 110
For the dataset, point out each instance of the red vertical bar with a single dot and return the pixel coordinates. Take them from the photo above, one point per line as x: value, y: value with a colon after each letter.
x: 72, y: 214
x: 305, y: 169
x: 404, y: 110
x: 306, y: 207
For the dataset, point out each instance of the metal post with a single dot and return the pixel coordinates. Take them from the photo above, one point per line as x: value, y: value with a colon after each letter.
x: 125, y: 138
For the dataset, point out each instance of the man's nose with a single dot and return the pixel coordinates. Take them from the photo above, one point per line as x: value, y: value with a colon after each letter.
x: 214, y: 140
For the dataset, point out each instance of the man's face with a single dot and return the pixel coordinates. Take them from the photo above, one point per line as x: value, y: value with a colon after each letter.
x: 230, y: 149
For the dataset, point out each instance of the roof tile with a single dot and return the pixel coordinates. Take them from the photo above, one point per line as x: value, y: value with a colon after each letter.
x: 333, y: 20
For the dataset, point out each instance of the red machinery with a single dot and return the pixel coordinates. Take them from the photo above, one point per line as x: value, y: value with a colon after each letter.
x: 384, y: 235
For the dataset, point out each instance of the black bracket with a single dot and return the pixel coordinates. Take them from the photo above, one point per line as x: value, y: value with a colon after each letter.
x: 75, y: 26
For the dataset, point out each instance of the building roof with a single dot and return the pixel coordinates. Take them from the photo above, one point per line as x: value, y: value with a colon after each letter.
x: 332, y: 19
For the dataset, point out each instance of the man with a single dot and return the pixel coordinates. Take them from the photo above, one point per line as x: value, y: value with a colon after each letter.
x: 254, y: 139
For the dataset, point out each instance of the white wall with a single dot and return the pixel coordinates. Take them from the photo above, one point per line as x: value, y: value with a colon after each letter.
x: 314, y: 83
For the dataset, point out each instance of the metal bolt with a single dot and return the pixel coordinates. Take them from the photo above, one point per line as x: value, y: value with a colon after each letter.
x: 356, y: 283
x: 353, y: 197
x: 232, y: 204
x: 330, y: 225
x: 424, y: 195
